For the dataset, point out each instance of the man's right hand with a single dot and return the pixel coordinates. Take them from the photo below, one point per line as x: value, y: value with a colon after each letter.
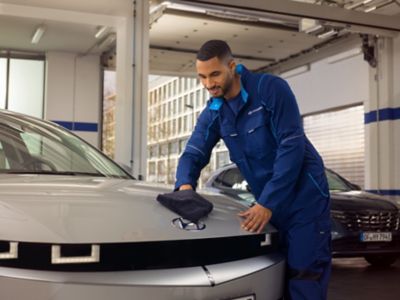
x: 185, y: 187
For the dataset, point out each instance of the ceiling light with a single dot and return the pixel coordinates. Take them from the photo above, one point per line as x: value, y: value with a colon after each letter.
x: 38, y: 34
x: 309, y: 25
x: 344, y: 55
x: 358, y: 4
x: 107, y: 41
x: 369, y: 9
x: 295, y: 71
x: 101, y: 30
x: 327, y: 34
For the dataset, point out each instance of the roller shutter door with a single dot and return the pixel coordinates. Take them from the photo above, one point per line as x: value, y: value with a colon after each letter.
x: 339, y: 138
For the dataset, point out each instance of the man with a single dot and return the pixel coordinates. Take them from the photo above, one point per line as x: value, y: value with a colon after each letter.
x: 258, y: 118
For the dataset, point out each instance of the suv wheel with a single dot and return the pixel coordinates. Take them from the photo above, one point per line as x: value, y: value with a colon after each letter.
x: 381, y: 260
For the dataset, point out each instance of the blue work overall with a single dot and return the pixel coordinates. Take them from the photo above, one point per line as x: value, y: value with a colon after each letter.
x: 265, y: 139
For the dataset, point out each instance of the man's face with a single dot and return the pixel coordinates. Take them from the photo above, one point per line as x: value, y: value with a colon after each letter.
x: 216, y: 76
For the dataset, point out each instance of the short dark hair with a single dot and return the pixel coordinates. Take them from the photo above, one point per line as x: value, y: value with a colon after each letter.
x: 214, y: 48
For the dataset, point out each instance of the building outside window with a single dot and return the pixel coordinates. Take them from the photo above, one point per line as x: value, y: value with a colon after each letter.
x: 179, y: 113
x: 22, y: 70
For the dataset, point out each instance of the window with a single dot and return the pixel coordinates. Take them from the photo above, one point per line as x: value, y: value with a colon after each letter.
x: 109, y: 106
x: 164, y: 149
x: 24, y: 84
x: 222, y: 158
x: 3, y: 82
x: 152, y: 168
x: 171, y: 171
x: 174, y: 147
x: 182, y: 145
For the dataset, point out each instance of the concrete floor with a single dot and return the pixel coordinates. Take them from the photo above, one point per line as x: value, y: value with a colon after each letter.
x: 354, y: 279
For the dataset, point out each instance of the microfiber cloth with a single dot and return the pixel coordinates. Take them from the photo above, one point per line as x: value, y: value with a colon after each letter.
x: 187, y: 203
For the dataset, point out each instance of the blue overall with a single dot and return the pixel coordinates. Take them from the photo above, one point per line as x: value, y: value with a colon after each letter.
x: 265, y: 139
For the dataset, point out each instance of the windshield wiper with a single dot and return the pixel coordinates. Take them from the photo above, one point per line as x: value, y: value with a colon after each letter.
x: 68, y: 173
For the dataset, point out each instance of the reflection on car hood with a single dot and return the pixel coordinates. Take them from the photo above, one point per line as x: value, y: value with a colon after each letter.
x: 65, y: 209
x: 360, y: 200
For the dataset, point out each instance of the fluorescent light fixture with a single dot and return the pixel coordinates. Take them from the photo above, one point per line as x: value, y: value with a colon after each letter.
x: 309, y: 25
x: 100, y: 32
x: 344, y: 55
x: 40, y: 30
x: 327, y: 34
x: 358, y: 4
x: 369, y: 9
x: 295, y: 71
x: 107, y: 41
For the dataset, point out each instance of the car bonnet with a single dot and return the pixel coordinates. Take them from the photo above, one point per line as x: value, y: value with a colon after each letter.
x: 71, y: 209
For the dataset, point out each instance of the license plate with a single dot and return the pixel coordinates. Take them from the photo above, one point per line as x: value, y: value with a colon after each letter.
x: 249, y: 297
x: 376, y: 237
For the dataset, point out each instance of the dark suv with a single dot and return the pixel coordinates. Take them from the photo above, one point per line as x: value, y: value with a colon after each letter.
x: 363, y: 224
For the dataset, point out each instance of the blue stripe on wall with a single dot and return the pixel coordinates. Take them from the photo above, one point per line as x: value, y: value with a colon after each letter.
x: 386, y: 192
x: 78, y: 126
x: 384, y: 114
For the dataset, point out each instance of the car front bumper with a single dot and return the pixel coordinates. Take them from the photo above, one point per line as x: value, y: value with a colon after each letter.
x: 351, y: 246
x: 261, y: 276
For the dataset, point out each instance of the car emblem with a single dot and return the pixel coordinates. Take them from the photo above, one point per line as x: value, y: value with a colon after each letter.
x: 188, y: 225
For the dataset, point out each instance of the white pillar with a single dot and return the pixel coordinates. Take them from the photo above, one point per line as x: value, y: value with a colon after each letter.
x: 132, y: 90
x: 140, y: 96
x: 382, y: 121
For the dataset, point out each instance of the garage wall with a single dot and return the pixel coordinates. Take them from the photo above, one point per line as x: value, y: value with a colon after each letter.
x: 329, y: 85
x: 73, y: 94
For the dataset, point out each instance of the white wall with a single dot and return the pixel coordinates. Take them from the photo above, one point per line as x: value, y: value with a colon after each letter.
x: 329, y: 85
x: 73, y: 91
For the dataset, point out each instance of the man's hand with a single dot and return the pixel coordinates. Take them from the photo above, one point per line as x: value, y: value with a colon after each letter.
x: 255, y: 218
x: 185, y: 187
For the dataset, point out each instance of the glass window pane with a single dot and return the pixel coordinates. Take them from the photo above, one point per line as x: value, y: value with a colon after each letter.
x: 26, y: 87
x: 3, y: 76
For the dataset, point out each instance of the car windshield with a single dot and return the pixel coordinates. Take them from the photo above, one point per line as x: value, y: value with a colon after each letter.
x: 32, y: 146
x: 336, y: 183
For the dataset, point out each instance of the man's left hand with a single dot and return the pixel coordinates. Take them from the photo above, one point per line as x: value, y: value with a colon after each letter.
x: 255, y: 218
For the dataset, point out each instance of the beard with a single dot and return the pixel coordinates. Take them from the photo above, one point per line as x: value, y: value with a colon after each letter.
x: 224, y: 89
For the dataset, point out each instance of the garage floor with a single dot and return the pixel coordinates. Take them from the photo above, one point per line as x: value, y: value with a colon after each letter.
x: 353, y: 279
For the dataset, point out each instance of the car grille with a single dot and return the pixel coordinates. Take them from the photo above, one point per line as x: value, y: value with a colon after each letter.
x: 368, y: 220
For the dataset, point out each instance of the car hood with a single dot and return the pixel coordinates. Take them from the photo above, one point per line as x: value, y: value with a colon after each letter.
x: 360, y: 200
x: 66, y: 209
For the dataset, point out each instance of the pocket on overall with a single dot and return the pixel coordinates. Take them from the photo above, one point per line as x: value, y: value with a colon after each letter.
x: 259, y: 140
x: 230, y: 138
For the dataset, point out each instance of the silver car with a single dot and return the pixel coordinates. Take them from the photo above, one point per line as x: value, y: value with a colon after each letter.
x: 74, y: 225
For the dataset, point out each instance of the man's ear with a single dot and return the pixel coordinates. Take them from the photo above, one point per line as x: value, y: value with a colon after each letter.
x: 232, y: 66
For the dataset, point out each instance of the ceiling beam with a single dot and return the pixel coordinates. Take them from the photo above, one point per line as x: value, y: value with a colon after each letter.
x: 305, y: 10
x: 194, y: 51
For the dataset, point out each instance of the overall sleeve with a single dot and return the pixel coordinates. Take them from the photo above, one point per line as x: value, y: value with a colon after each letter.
x: 287, y: 128
x: 198, y: 150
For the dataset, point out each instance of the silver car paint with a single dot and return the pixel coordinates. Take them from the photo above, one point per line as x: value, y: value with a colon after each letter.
x: 66, y: 209
x: 263, y: 278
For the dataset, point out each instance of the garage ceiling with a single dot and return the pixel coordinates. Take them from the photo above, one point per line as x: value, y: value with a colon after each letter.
x: 175, y: 35
x: 16, y: 34
x: 260, y: 41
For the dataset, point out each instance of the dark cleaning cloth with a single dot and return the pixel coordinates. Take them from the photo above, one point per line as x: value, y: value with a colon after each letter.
x: 187, y: 203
